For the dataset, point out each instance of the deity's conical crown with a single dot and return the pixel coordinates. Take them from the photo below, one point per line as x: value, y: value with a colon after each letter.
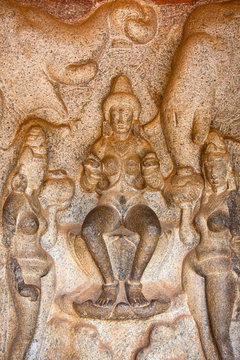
x: 121, y: 93
x: 121, y: 84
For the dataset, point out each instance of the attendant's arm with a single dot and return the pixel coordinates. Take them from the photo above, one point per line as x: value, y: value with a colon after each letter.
x: 9, y: 217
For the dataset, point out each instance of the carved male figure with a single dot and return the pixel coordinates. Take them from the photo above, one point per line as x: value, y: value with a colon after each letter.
x: 120, y: 166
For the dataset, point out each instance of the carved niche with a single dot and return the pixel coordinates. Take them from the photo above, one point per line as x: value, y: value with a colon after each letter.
x: 120, y: 205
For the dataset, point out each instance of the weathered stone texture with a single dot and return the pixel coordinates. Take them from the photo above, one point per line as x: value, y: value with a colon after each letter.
x: 119, y: 153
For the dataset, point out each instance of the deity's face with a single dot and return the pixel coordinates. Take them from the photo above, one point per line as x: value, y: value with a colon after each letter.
x: 216, y: 168
x: 121, y: 118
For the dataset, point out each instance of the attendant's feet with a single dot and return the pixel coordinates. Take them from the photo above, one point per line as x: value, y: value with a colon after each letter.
x: 135, y: 295
x: 108, y: 295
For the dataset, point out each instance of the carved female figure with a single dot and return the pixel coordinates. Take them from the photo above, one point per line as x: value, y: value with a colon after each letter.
x: 23, y: 226
x: 208, y: 278
x: 120, y: 166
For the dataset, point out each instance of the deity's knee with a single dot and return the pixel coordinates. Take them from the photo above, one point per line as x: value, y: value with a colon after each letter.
x: 143, y: 220
x: 98, y: 221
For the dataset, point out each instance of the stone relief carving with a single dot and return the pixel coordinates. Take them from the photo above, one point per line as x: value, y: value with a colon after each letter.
x: 120, y: 214
x: 40, y: 56
x: 24, y: 225
x: 208, y: 267
x: 202, y: 75
x: 120, y: 166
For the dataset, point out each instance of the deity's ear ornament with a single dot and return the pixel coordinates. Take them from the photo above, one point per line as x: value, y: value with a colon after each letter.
x: 121, y: 93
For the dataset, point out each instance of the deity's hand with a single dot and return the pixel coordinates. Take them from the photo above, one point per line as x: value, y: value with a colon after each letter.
x: 92, y: 173
x: 184, y: 188
x: 92, y: 167
x: 150, y: 163
x: 151, y: 171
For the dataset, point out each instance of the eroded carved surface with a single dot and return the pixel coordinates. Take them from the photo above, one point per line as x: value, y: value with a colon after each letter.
x: 120, y: 208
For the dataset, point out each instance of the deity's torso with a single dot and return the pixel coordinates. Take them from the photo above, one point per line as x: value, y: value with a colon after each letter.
x: 122, y: 182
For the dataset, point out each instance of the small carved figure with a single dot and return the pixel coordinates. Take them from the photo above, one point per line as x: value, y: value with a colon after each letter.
x: 208, y: 278
x: 23, y: 226
x: 120, y: 166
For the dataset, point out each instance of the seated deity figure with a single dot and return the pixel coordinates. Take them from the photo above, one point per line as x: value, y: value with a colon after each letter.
x: 120, y: 166
x: 208, y: 277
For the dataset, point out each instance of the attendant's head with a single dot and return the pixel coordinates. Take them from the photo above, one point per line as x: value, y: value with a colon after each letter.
x: 32, y: 163
x: 217, y: 166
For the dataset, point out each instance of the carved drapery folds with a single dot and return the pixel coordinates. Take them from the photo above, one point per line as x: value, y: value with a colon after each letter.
x: 120, y: 210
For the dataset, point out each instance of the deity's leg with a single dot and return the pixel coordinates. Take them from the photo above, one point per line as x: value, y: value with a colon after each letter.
x: 102, y: 219
x: 194, y: 286
x: 142, y: 220
x: 221, y: 294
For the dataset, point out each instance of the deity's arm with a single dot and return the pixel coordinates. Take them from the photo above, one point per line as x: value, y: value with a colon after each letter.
x: 92, y: 167
x: 10, y: 212
x: 151, y: 167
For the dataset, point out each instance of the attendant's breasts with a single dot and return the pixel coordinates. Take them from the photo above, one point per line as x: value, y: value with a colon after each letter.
x: 28, y: 224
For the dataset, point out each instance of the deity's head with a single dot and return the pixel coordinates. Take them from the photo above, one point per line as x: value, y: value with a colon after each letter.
x: 121, y: 108
x: 217, y: 167
x: 32, y: 163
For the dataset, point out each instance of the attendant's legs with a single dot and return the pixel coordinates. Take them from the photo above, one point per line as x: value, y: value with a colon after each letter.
x: 27, y: 314
x: 102, y: 219
x: 194, y: 286
x: 142, y: 220
x: 221, y: 294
